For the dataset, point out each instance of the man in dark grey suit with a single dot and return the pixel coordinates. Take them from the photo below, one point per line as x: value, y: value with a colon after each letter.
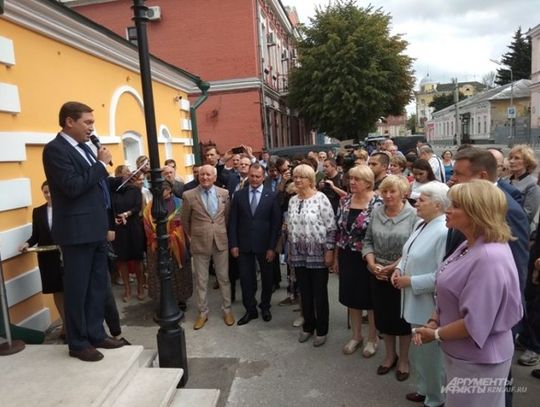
x: 254, y: 225
x: 79, y: 189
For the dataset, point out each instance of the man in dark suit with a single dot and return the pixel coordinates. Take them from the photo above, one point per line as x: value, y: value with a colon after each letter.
x: 77, y: 181
x: 238, y: 180
x: 254, y: 225
x: 195, y: 181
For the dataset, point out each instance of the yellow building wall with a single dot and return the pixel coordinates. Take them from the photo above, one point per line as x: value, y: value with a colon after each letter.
x: 499, y: 110
x: 49, y: 73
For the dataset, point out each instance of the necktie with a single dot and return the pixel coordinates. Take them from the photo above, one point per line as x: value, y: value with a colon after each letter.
x: 253, y: 203
x: 241, y: 184
x: 102, y: 182
x: 210, y: 205
x: 274, y: 184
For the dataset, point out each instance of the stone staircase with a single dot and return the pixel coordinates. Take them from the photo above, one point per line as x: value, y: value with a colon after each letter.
x: 45, y: 376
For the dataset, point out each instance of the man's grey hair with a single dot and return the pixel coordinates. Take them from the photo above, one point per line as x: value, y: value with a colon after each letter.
x: 425, y: 149
x: 437, y: 192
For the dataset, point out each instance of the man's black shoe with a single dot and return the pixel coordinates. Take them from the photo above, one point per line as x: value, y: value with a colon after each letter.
x: 535, y: 373
x: 87, y: 355
x: 110, y: 343
x: 246, y: 318
x: 266, y: 315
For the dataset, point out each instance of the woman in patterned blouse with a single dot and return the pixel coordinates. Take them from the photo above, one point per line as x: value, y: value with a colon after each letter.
x: 354, y: 278
x: 311, y: 231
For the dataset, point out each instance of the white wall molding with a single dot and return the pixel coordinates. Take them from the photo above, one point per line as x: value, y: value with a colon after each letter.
x: 11, y: 239
x: 12, y: 147
x: 7, y: 53
x: 39, y: 321
x: 184, y: 105
x: 23, y: 286
x: 114, y: 105
x: 15, y: 193
x: 185, y: 124
x: 9, y: 98
x: 189, y: 160
x: 60, y: 25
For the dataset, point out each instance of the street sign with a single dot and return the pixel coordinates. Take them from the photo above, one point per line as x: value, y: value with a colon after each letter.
x: 511, y: 112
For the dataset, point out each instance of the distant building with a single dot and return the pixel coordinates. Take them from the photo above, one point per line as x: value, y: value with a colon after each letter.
x: 483, y: 118
x: 429, y: 89
x: 393, y: 126
x: 534, y: 35
x: 243, y: 48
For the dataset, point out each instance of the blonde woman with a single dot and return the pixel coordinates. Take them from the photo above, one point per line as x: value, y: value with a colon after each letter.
x: 353, y: 217
x: 311, y: 231
x: 478, y: 297
x: 522, y: 162
x: 390, y: 227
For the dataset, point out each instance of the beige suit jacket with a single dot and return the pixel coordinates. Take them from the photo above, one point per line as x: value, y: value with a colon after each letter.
x: 199, y: 225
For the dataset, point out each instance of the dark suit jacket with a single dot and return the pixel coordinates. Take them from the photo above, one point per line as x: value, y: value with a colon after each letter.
x: 191, y: 185
x: 254, y: 233
x: 232, y: 183
x: 50, y: 265
x: 519, y: 225
x: 79, y: 211
x: 512, y: 190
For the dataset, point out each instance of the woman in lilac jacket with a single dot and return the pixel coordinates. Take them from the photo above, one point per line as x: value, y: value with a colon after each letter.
x: 478, y: 299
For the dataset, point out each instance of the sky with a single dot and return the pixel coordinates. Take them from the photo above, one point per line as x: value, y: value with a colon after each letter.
x: 449, y: 38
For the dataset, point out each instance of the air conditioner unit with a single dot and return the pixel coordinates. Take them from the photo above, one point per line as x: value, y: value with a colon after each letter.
x: 154, y: 13
x: 270, y: 40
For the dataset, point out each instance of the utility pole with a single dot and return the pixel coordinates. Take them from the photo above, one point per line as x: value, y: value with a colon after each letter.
x: 457, y: 134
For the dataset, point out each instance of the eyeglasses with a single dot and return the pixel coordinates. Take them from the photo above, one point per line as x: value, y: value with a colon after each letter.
x: 299, y: 177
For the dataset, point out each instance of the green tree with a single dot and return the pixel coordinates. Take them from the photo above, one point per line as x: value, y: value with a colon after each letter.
x: 350, y: 71
x: 411, y: 123
x: 518, y: 58
x: 439, y: 102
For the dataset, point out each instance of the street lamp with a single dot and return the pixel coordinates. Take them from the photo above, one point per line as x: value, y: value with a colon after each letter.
x: 511, y: 113
x: 171, y: 340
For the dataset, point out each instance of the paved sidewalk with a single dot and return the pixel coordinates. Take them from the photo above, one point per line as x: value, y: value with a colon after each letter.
x: 262, y: 364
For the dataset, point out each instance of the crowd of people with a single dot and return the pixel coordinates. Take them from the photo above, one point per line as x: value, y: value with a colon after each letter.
x: 434, y: 251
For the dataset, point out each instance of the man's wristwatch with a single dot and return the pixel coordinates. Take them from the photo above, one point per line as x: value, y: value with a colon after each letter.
x: 437, y: 336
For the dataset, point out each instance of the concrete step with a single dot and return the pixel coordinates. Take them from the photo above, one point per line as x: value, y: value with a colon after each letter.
x: 147, y: 358
x: 45, y: 375
x: 195, y: 398
x: 150, y: 387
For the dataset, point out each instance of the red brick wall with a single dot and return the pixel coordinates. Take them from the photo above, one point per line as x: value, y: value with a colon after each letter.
x: 228, y: 30
x: 231, y: 119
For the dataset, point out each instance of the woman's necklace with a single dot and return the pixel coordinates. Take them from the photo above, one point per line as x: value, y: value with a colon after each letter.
x: 464, y: 252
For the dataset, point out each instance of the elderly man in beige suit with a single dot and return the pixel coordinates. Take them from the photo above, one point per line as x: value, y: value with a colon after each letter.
x: 205, y: 214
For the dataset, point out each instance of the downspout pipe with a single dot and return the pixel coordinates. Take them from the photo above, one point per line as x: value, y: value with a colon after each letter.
x: 203, y: 86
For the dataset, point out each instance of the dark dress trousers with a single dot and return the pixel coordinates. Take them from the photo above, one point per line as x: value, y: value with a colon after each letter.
x: 50, y: 265
x: 80, y: 224
x: 254, y: 234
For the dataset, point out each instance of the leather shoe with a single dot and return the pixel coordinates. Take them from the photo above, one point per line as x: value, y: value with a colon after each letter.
x: 201, y: 320
x: 110, y: 343
x: 266, y: 315
x: 90, y: 354
x: 535, y: 373
x: 246, y: 318
x: 228, y: 317
x: 381, y: 370
x: 415, y: 397
x: 401, y: 376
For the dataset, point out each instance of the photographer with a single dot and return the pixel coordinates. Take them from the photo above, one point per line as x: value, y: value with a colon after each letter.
x: 332, y: 183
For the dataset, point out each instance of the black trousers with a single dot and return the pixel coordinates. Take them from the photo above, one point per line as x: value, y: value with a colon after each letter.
x: 313, y: 285
x: 85, y: 287
x: 112, y: 318
x: 248, y: 280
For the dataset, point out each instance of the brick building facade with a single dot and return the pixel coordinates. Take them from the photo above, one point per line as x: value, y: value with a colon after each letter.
x: 244, y: 52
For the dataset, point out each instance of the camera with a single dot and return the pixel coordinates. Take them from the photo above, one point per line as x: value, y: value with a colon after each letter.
x: 237, y: 150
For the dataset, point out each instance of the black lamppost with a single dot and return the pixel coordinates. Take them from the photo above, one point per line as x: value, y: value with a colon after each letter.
x: 171, y: 340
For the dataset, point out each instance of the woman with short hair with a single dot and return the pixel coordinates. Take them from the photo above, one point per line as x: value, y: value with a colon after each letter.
x: 311, y: 231
x: 415, y: 277
x: 478, y: 298
x: 390, y: 227
x: 353, y: 218
x: 522, y: 162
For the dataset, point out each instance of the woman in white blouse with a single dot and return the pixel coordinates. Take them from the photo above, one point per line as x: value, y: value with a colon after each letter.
x: 415, y: 276
x: 311, y: 232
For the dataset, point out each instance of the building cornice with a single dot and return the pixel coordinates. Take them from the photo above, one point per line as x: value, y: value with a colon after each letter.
x: 232, y: 85
x: 57, y: 22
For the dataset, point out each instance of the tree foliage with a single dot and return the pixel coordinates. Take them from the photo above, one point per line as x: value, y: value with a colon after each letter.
x: 351, y: 70
x: 411, y: 123
x: 439, y: 102
x: 518, y: 58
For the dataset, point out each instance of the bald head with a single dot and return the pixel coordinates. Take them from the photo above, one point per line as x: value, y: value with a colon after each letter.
x: 499, y: 156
